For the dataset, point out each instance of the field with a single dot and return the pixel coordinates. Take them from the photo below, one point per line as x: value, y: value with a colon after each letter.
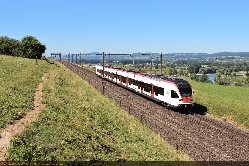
x: 229, y: 102
x: 78, y: 123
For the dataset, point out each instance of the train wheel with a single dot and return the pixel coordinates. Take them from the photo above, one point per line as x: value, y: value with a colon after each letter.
x: 162, y: 104
x: 168, y: 107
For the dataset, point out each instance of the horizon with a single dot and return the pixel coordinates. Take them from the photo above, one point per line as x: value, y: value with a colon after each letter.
x: 96, y: 52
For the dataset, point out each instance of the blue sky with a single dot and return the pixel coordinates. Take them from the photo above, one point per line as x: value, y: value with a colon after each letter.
x: 128, y: 26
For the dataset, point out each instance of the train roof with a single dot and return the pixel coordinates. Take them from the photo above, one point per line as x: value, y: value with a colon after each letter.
x: 161, y: 77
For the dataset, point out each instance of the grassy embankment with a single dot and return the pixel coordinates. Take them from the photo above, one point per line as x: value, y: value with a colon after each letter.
x: 19, y: 78
x: 78, y: 123
x: 230, y: 102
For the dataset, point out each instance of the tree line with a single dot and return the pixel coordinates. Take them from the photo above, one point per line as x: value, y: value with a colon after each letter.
x: 225, y: 73
x: 28, y: 47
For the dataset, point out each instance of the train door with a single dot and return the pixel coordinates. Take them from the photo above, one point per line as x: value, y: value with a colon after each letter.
x: 142, y: 86
x: 112, y: 76
x: 120, y: 79
x: 152, y: 87
x: 116, y: 77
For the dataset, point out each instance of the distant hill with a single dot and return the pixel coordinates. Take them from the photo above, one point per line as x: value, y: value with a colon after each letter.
x: 139, y: 55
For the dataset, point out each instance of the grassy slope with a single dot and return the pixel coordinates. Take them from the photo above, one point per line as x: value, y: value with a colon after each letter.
x: 224, y: 101
x: 19, y: 78
x: 79, y: 123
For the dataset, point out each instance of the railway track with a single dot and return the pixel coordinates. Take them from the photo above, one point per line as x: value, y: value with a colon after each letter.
x: 203, y: 138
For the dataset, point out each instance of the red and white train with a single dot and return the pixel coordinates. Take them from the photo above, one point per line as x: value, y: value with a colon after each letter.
x: 172, y: 92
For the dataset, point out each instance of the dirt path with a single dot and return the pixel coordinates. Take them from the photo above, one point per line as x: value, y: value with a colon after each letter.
x: 18, y: 127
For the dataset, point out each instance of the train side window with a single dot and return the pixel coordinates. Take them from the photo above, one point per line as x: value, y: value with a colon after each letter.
x: 146, y: 87
x: 156, y: 90
x: 131, y: 81
x: 174, y: 94
x: 161, y: 91
x: 138, y: 84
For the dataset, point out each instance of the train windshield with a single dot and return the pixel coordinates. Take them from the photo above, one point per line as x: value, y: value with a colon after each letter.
x: 185, y: 89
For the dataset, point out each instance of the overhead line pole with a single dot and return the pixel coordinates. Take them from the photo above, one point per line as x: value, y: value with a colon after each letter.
x: 132, y: 59
x: 103, y: 75
x: 104, y: 60
x: 83, y: 54
x: 161, y: 59
x: 59, y: 54
x: 103, y: 65
x: 151, y: 58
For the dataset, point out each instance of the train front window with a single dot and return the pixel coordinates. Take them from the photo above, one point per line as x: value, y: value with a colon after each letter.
x: 174, y: 94
x: 185, y: 90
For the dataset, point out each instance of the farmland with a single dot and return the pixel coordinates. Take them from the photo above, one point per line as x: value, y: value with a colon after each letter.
x: 78, y: 123
x: 228, y: 102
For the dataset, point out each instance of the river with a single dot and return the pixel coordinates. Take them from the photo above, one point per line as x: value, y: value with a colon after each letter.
x: 211, y: 77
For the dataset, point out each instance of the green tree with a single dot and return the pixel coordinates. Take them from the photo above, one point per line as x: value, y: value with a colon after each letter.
x: 30, y: 47
x: 194, y: 68
x: 204, y: 78
x: 180, y: 73
x: 9, y: 46
x: 193, y: 76
x: 170, y: 72
x: 174, y: 71
x: 246, y: 69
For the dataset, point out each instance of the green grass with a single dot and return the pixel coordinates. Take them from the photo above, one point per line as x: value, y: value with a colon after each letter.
x: 224, y: 101
x: 19, y: 78
x: 79, y: 123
